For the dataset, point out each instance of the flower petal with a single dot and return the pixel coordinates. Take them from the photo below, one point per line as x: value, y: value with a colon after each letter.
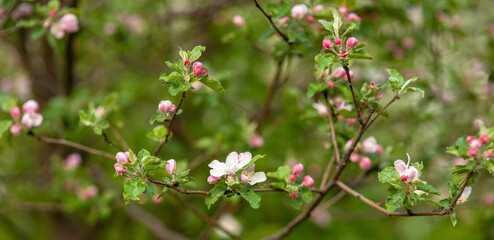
x: 217, y: 164
x: 232, y: 159
x: 400, y: 166
x: 257, y: 178
x: 244, y: 159
x: 216, y: 172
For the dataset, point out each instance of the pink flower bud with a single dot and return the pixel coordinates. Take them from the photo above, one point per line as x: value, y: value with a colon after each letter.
x: 238, y: 21
x: 343, y: 54
x: 69, y: 23
x: 343, y: 11
x: 322, y: 110
x: 351, y: 42
x: 340, y: 117
x: 197, y: 67
x: 379, y: 149
x: 365, y: 163
x: 379, y: 96
x: 297, y: 169
x: 123, y: 157
x: 469, y: 139
x: 488, y: 154
x: 204, y: 72
x: 472, y: 152
x: 308, y: 181
x: 331, y: 84
x: 337, y: 41
x: 484, y: 138
x: 283, y: 20
x: 292, y: 178
x: 171, y: 166
x: 53, y: 13
x: 88, y: 193
x: 213, y: 180
x: 354, y: 16
x: 372, y: 85
x: 119, y: 168
x: 317, y: 8
x: 475, y: 144
x: 15, y: 130
x: 256, y: 141
x: 351, y: 75
x: 166, y: 106
x: 354, y: 157
x: 15, y: 113
x: 72, y: 161
x: 186, y: 63
x: 310, y: 19
x: 351, y: 121
x: 294, y: 196
x: 326, y: 43
x: 30, y: 106
x: 299, y: 11
x: 47, y: 24
x: 32, y: 119
x: 323, y: 74
x: 339, y: 72
x: 404, y: 178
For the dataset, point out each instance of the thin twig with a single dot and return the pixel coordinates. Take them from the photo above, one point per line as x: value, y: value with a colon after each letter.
x: 396, y: 97
x: 71, y: 144
x: 333, y: 132
x: 119, y: 137
x: 270, y: 19
x: 327, y: 171
x: 168, y: 130
x: 266, y: 107
x: 357, y: 109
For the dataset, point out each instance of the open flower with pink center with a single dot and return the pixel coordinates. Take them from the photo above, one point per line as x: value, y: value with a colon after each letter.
x: 251, y: 177
x: 407, y: 173
x: 233, y: 163
x: 32, y: 119
x: 322, y: 110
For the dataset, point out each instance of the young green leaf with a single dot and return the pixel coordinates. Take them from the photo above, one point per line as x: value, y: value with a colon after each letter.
x: 215, y: 193
x: 251, y: 197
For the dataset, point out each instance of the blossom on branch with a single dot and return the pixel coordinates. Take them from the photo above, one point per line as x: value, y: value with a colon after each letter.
x: 233, y: 163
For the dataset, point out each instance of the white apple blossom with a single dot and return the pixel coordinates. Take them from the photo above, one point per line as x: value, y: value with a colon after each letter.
x: 322, y: 110
x: 464, y: 195
x: 407, y: 173
x: 234, y: 162
x: 370, y: 145
x: 32, y: 119
x: 248, y: 175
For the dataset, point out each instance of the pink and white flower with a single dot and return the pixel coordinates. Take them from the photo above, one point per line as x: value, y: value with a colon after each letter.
x: 299, y: 11
x: 72, y: 161
x: 69, y: 23
x: 233, y: 163
x: 197, y: 68
x: 88, y: 193
x: 213, y: 180
x: 32, y: 119
x: 322, y: 110
x: 16, y: 130
x: 30, y: 106
x: 370, y: 145
x: 256, y: 141
x: 119, y: 168
x: 365, y: 163
x: 298, y: 169
x: 123, y: 157
x: 166, y: 106
x: 464, y: 195
x: 171, y: 166
x: 407, y: 173
x: 251, y: 177
x: 308, y: 181
x: 15, y: 113
x: 238, y: 21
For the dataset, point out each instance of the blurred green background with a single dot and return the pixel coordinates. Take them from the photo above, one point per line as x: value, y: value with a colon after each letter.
x: 121, y: 48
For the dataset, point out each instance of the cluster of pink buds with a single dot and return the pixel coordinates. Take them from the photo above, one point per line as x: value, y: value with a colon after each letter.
x: 368, y: 146
x: 68, y: 23
x: 30, y: 119
x: 122, y: 157
x: 347, y: 16
x: 340, y: 50
x: 297, y: 170
x: 166, y: 106
x: 476, y: 144
x: 197, y: 68
x: 407, y: 173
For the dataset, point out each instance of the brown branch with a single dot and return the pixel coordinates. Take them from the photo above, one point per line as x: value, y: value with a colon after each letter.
x: 168, y: 130
x: 270, y: 19
x: 396, y: 97
x: 71, y: 144
x: 331, y: 126
x: 357, y: 109
x: 327, y: 172
x: 204, y: 217
x: 110, y: 142
x: 119, y: 137
x: 455, y: 201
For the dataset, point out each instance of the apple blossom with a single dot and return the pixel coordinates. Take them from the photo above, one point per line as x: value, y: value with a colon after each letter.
x: 299, y: 11
x: 171, y: 166
x: 291, y: 178
x: 343, y: 54
x: 370, y: 145
x: 365, y: 163
x: 354, y: 16
x: 32, y: 119
x: 379, y: 96
x: 123, y: 157
x: 233, y: 163
x: 294, y: 196
x: 69, y: 23
x: 308, y: 181
x: 464, y: 195
x: 372, y: 85
x: 230, y: 223
x: 22, y: 11
x: 15, y: 113
x: 30, y: 106
x: 46, y: 24
x: 119, y: 168
x: 256, y: 141
x: 337, y: 41
x: 197, y: 67
x: 248, y: 176
x: 238, y: 21
x: 204, y: 72
x: 88, y: 193
x: 317, y: 8
x: 339, y: 72
x: 407, y: 173
x: 472, y: 152
x: 53, y: 13
x: 469, y: 139
x: 310, y: 19
x: 72, y: 161
x: 15, y: 130
x: 326, y: 43
x: 322, y: 109
x: 283, y: 20
x: 351, y: 75
x: 351, y: 121
x: 331, y: 84
x: 343, y: 11
x: 379, y: 149
x: 484, y: 138
x: 213, y: 180
x: 166, y: 106
x: 298, y: 169
x: 488, y: 154
x: 475, y: 144
x: 354, y: 157
x: 351, y: 42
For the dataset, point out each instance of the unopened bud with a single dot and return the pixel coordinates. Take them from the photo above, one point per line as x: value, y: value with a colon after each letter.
x: 326, y: 43
x: 197, y: 67
x: 297, y: 169
x: 343, y: 54
x: 187, y: 63
x: 310, y: 19
x: 337, y: 41
x: 15, y: 113
x: 213, y: 180
x: 351, y: 42
x: 292, y: 178
x: 308, y: 181
x: 472, y: 152
x: 294, y: 196
x: 372, y: 85
x: 331, y: 84
x: 469, y: 139
x: 484, y: 138
x: 15, y: 130
x: 343, y: 11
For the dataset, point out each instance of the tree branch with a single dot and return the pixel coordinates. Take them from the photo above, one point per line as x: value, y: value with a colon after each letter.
x: 266, y: 107
x: 270, y: 19
x: 396, y: 97
x: 357, y: 109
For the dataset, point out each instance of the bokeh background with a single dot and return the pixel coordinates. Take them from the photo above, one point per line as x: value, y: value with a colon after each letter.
x: 119, y: 52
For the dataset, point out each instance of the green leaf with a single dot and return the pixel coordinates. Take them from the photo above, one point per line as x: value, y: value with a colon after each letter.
x: 452, y: 189
x: 278, y: 185
x: 428, y: 189
x: 254, y: 159
x: 251, y: 197
x: 4, y: 126
x: 215, y: 193
x: 158, y: 117
x: 143, y: 153
x: 395, y: 200
x: 282, y: 173
x: 134, y: 188
x: 196, y: 53
x: 267, y: 34
x: 150, y: 160
x: 444, y: 203
x: 314, y: 88
x: 390, y: 176
x: 7, y: 102
x: 415, y: 89
x: 151, y: 188
x: 37, y: 33
x: 296, y: 203
x: 158, y: 133
x: 460, y: 149
x: 360, y: 45
x: 306, y: 194
x: 182, y: 174
x: 213, y: 84
x: 349, y: 29
x: 53, y: 5
x: 327, y: 25
x: 176, y: 66
x: 395, y: 79
x: 453, y: 219
x: 171, y: 77
x: 323, y: 62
